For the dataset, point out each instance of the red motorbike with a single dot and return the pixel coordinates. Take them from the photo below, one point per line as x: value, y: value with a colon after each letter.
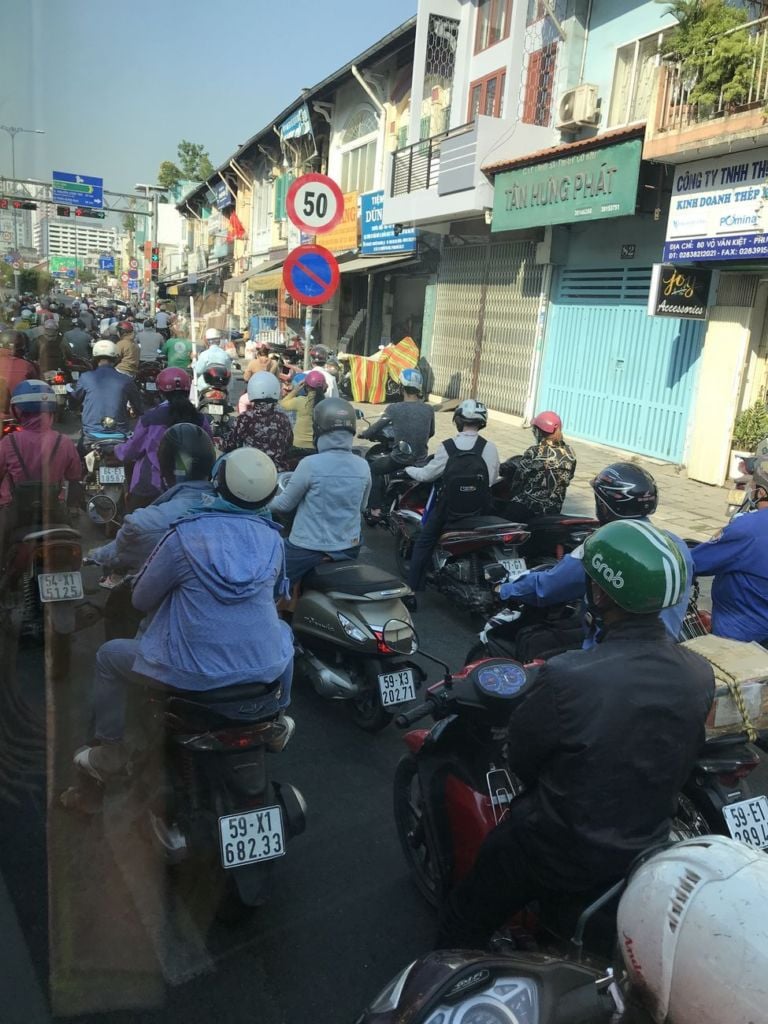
x: 462, y: 557
x: 146, y: 381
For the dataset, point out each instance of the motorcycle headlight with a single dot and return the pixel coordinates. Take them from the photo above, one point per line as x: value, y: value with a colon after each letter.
x: 353, y: 632
x: 389, y: 998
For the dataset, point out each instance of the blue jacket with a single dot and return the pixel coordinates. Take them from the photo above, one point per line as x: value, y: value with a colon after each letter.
x: 105, y: 393
x: 329, y: 492
x: 209, y: 586
x: 143, y: 529
x: 738, y: 559
x: 567, y: 582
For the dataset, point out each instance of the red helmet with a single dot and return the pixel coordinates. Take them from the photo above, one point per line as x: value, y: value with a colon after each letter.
x: 547, y: 422
x: 315, y: 381
x: 173, y: 379
x: 125, y: 327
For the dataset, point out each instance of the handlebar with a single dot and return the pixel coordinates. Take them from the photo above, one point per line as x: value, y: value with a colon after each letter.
x: 407, y: 718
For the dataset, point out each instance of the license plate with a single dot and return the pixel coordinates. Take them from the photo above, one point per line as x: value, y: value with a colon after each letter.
x: 747, y: 821
x: 111, y: 474
x: 216, y: 410
x: 60, y: 586
x: 75, y: 375
x: 397, y: 687
x: 252, y: 836
x: 59, y: 389
x: 514, y: 566
x: 150, y: 386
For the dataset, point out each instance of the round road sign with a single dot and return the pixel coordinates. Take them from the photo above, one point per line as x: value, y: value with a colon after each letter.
x: 124, y: 277
x: 311, y: 274
x: 133, y: 264
x: 314, y: 203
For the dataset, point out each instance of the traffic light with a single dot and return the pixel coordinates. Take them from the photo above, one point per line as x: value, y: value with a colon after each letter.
x: 63, y: 211
x: 23, y: 204
x: 99, y: 214
x: 155, y: 263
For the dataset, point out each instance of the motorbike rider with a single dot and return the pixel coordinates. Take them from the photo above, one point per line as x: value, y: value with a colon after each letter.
x: 328, y: 491
x: 163, y: 321
x: 105, y: 393
x: 467, y: 466
x: 412, y: 421
x: 603, y: 742
x: 263, y: 361
x: 178, y: 349
x: 128, y: 352
x: 142, y: 448
x: 198, y: 593
x: 737, y: 557
x: 36, y: 454
x: 318, y: 355
x: 623, y: 491
x: 212, y: 355
x: 47, y: 345
x: 13, y: 369
x: 78, y: 340
x: 307, y: 393
x: 150, y: 342
x: 263, y: 425
x: 542, y: 473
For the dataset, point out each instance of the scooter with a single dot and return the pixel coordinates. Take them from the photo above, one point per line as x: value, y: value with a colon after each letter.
x: 146, y: 380
x: 58, y: 382
x: 104, y: 478
x: 213, y: 401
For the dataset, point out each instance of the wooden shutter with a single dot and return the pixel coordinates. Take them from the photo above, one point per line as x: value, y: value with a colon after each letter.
x: 535, y: 61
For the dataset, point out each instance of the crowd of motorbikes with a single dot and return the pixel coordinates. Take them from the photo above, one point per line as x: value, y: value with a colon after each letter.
x: 355, y: 643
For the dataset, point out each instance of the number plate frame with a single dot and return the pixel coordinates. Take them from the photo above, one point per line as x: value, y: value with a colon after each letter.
x: 215, y: 410
x: 59, y: 389
x: 111, y: 474
x: 406, y: 682
x: 514, y: 566
x: 743, y: 816
x: 150, y: 385
x: 244, y: 822
x: 76, y: 582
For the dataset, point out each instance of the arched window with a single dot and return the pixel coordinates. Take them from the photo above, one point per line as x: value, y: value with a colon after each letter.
x: 358, y: 147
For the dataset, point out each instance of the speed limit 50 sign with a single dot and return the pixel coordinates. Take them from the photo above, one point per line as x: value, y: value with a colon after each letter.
x: 314, y: 203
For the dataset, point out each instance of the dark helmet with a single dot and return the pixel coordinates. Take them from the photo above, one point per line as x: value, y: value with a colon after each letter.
x: 318, y: 354
x: 333, y: 414
x: 217, y: 376
x: 624, y: 491
x: 186, y: 452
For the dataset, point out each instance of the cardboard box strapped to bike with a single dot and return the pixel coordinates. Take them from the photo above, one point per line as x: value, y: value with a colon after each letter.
x: 741, y: 676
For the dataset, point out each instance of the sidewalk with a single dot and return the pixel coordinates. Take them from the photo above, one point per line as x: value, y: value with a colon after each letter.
x: 687, y: 508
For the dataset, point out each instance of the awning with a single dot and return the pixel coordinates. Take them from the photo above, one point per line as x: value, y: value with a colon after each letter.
x: 372, y: 264
x: 269, y: 281
x: 172, y: 289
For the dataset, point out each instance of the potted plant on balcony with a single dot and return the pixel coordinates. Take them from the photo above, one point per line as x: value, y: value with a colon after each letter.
x: 750, y: 427
x: 717, y: 62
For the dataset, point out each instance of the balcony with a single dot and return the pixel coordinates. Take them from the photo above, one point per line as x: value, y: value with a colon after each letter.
x: 682, y: 127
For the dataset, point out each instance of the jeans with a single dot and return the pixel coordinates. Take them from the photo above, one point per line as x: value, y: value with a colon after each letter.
x: 300, y: 561
x: 379, y: 468
x: 423, y: 546
x: 114, y: 674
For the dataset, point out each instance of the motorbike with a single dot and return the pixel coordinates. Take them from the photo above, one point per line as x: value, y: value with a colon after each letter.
x: 461, y: 555
x: 213, y: 401
x: 104, y: 478
x: 453, y: 787
x: 146, y: 381
x: 57, y: 379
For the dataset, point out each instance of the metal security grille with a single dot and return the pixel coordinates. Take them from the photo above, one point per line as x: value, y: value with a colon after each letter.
x: 440, y: 57
x: 510, y: 310
x: 610, y: 284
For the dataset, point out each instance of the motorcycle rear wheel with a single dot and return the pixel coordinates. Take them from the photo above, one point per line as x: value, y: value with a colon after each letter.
x: 403, y: 548
x: 367, y: 712
x: 412, y: 832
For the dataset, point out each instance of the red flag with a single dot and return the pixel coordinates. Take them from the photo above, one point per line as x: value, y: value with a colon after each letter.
x: 236, y: 229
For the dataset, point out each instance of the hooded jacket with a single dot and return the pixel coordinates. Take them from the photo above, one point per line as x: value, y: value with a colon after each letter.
x: 47, y: 456
x: 143, y: 446
x: 329, y: 492
x: 210, y: 587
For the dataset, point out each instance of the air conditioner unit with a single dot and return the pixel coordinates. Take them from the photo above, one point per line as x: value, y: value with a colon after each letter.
x: 577, y: 108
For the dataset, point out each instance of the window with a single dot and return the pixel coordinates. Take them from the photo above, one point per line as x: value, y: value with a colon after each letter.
x: 492, y: 23
x: 358, y: 146
x: 536, y: 11
x: 633, y: 80
x: 486, y: 95
x: 539, y: 84
x: 282, y: 184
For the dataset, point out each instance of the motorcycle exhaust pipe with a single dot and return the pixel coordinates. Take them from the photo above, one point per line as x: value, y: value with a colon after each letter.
x: 332, y: 683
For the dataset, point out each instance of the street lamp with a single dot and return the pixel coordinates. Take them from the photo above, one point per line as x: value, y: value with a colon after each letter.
x: 13, y: 131
x: 154, y: 190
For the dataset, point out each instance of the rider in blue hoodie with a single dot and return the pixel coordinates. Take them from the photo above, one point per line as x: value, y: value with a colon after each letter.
x: 198, y: 592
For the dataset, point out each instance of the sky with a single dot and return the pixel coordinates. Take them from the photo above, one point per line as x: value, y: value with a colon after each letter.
x: 116, y: 84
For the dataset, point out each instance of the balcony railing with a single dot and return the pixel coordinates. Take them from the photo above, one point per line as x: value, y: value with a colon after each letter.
x: 746, y: 87
x: 417, y: 167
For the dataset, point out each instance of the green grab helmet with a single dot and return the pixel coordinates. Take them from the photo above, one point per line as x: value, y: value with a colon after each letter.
x: 640, y: 568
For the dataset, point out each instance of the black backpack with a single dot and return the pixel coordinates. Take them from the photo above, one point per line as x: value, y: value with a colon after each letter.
x: 465, y: 488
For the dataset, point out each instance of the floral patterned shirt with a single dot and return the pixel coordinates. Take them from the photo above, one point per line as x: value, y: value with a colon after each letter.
x: 264, y: 427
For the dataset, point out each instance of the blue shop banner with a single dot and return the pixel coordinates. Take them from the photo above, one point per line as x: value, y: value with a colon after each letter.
x: 376, y: 237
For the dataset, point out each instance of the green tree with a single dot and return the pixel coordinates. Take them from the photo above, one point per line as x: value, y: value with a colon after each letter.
x: 169, y: 174
x: 194, y: 162
x: 86, y: 275
x: 129, y: 223
x: 39, y: 282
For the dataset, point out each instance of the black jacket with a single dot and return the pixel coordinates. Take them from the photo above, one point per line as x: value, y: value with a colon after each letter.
x: 605, y: 741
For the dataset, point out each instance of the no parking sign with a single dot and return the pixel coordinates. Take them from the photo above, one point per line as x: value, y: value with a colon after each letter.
x: 311, y: 274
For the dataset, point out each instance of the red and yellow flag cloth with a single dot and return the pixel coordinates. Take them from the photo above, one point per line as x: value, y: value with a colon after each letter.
x: 369, y: 373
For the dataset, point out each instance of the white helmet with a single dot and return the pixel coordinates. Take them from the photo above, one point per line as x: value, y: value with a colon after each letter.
x: 693, y: 929
x: 213, y: 334
x: 105, y: 350
x: 246, y: 477
x: 264, y: 387
x: 472, y: 412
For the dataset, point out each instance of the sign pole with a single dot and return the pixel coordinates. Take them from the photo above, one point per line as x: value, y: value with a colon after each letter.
x: 307, y: 335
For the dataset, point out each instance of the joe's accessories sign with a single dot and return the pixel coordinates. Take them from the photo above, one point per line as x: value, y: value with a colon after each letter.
x: 680, y: 292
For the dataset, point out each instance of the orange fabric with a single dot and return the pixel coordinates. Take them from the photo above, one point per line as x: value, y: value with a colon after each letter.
x: 369, y: 374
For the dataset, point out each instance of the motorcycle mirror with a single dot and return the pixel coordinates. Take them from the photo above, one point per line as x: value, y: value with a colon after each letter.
x: 400, y: 636
x: 359, y: 414
x: 403, y: 448
x: 101, y: 509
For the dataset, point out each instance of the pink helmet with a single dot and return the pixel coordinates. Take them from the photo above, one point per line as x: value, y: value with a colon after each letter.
x: 547, y: 422
x: 173, y: 379
x: 315, y: 381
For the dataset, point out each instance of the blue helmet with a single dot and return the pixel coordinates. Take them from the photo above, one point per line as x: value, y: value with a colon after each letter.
x: 298, y: 379
x: 412, y: 379
x: 32, y: 397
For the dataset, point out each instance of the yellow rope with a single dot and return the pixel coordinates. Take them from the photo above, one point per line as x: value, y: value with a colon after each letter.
x: 734, y: 688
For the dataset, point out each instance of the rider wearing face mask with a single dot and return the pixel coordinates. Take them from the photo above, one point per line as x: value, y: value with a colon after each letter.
x: 623, y: 491
x: 540, y: 476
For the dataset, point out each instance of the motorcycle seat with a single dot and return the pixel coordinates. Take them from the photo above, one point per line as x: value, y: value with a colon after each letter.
x: 48, y: 533
x: 219, y: 695
x: 479, y: 525
x: 352, y: 579
x: 559, y: 519
x: 98, y: 435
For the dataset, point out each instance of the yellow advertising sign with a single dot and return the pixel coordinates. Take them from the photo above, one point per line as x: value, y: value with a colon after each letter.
x: 344, y: 235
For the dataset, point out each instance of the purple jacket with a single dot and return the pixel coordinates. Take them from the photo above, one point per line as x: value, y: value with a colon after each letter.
x: 141, y: 449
